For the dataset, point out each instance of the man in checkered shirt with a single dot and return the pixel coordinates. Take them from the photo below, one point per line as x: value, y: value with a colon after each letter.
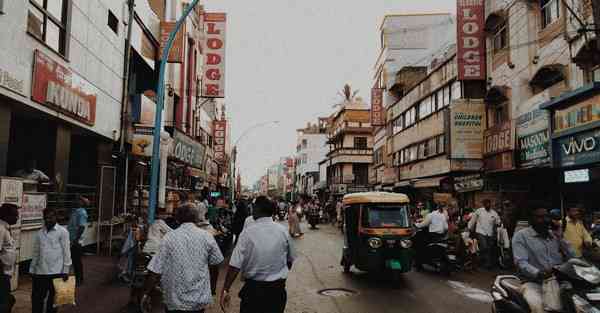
x: 187, y: 263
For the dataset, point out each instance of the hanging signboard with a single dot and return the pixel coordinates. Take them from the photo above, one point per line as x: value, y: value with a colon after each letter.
x: 142, y: 141
x: 498, y: 139
x: 467, y: 122
x: 33, y: 207
x: 471, y: 39
x: 579, y: 149
x: 176, y: 53
x: 56, y: 87
x: 533, y: 138
x: 213, y: 80
x: 187, y: 150
x: 220, y: 130
x: 377, y: 113
x: 468, y: 183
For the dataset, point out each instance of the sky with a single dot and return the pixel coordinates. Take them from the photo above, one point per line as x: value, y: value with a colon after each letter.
x: 286, y: 60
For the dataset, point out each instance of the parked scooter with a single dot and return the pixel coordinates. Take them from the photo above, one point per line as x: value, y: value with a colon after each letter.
x: 433, y: 253
x: 582, y: 294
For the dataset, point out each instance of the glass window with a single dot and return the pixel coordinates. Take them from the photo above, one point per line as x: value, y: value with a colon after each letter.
x: 360, y: 142
x: 550, y: 12
x: 500, y: 38
x: 385, y: 215
x: 425, y: 108
x: 456, y: 92
x: 432, y: 146
x: 410, y: 116
x: 434, y: 101
x: 46, y: 21
x: 441, y: 146
x: 401, y: 156
x: 446, y: 96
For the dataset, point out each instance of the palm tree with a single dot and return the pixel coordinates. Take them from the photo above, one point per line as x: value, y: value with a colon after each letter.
x: 347, y: 94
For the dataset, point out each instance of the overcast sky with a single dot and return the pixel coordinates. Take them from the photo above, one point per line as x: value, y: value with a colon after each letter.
x: 287, y: 59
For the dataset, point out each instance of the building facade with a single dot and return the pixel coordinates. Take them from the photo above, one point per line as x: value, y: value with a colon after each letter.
x: 311, y: 148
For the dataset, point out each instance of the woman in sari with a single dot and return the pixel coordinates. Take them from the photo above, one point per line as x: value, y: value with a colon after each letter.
x: 294, y: 221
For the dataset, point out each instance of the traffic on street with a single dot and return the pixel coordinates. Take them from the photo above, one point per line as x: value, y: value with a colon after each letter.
x: 203, y: 156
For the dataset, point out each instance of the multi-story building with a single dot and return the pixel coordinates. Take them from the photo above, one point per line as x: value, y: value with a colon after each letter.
x: 350, y: 139
x: 311, y: 148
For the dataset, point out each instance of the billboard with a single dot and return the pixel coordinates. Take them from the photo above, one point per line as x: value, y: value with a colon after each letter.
x: 377, y: 113
x: 213, y: 80
x: 533, y: 138
x: 58, y: 88
x: 220, y: 131
x: 176, y: 52
x: 471, y: 39
x: 467, y: 124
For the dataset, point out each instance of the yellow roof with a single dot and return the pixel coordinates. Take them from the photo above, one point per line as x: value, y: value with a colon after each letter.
x: 375, y: 197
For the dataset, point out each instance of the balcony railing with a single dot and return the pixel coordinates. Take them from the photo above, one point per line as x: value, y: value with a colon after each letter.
x: 350, y: 151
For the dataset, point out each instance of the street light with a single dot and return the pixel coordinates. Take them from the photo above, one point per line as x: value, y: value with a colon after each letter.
x: 234, y: 151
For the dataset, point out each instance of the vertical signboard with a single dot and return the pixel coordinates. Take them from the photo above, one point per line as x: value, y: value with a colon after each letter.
x: 220, y: 130
x: 467, y: 123
x: 377, y: 115
x: 213, y: 80
x: 471, y: 41
x: 176, y: 52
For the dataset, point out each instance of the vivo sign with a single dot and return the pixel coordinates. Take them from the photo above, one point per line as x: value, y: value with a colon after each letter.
x: 471, y: 40
x: 583, y: 148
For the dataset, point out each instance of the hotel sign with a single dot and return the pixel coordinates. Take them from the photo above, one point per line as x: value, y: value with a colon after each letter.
x: 471, y: 40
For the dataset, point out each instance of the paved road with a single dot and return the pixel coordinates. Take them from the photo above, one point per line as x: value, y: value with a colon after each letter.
x: 318, y: 268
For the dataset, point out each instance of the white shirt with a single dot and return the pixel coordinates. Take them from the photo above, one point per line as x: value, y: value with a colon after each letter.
x: 437, y: 222
x: 51, y: 252
x: 182, y: 261
x: 8, y: 253
x: 248, y: 221
x: 263, y: 251
x: 156, y: 233
x: 36, y: 175
x: 485, y: 221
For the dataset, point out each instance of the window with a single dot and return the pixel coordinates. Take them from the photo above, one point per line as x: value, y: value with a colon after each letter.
x: 113, y: 22
x: 360, y: 142
x: 423, y: 151
x: 433, y: 146
x: 425, y: 108
x: 441, y: 146
x: 46, y: 21
x: 500, y: 38
x: 445, y: 94
x: 410, y: 117
x: 550, y: 12
x: 456, y: 92
x: 398, y: 124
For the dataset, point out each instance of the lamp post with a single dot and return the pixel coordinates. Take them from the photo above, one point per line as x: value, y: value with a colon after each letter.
x: 234, y: 151
x: 160, y: 101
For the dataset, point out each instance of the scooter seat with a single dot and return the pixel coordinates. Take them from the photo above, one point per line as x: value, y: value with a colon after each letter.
x: 511, y: 285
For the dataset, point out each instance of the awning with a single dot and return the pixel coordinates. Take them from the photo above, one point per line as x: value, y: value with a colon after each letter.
x: 548, y: 75
x: 572, y: 96
x: 404, y: 183
x: 428, y: 182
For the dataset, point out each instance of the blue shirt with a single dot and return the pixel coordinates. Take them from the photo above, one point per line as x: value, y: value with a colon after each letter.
x: 77, y: 219
x: 533, y: 254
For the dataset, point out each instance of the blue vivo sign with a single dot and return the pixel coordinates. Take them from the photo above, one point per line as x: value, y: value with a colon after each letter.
x: 578, y: 149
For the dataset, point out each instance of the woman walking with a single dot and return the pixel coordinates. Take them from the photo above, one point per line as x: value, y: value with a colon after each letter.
x: 294, y: 221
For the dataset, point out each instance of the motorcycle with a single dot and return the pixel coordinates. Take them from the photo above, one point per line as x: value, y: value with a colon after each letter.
x: 433, y: 253
x: 580, y: 296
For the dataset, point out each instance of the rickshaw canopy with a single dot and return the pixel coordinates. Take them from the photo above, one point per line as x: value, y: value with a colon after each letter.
x: 375, y: 197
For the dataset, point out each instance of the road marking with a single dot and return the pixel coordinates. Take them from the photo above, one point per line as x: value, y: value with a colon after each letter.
x: 470, y: 292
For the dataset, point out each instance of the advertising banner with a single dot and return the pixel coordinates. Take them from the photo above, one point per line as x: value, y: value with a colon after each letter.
x: 471, y: 39
x: 580, y: 149
x: 220, y: 130
x: 467, y: 123
x: 213, y: 81
x: 533, y: 138
x: 11, y: 191
x: 377, y: 113
x: 176, y: 52
x: 60, y: 89
x: 142, y: 141
x: 33, y: 206
x: 187, y: 149
x: 468, y: 183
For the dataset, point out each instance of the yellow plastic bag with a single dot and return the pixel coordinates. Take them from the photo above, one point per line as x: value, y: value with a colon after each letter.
x: 64, y: 291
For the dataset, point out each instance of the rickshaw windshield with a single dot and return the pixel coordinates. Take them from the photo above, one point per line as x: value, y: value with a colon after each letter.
x: 385, y: 216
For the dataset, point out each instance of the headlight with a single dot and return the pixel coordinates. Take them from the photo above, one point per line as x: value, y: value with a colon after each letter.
x: 406, y: 243
x: 582, y: 306
x: 375, y: 243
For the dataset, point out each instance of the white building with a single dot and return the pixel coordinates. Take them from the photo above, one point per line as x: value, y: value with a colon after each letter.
x: 311, y: 148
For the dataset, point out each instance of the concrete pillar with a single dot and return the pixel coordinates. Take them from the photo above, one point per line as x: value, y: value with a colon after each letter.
x: 62, y: 156
x: 5, y: 119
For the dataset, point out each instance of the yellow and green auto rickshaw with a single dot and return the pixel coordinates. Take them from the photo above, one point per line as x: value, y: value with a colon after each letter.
x: 377, y: 233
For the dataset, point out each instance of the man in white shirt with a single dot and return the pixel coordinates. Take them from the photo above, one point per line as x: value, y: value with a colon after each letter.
x: 437, y: 222
x: 485, y: 220
x: 51, y: 259
x: 31, y: 173
x: 264, y: 255
x: 9, y: 214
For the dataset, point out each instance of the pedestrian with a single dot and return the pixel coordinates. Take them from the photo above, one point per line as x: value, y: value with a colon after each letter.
x: 484, y: 222
x: 294, y: 220
x: 574, y: 232
x: 186, y: 265
x: 239, y: 217
x: 9, y: 215
x: 339, y: 206
x: 51, y: 258
x: 438, y: 224
x: 264, y: 255
x: 76, y: 227
x: 536, y: 250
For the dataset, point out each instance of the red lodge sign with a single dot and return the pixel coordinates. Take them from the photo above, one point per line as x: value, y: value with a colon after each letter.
x: 377, y: 117
x: 213, y: 82
x: 60, y: 89
x: 220, y: 131
x: 471, y: 40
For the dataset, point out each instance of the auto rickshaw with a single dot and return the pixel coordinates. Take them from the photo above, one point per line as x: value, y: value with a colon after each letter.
x: 377, y: 233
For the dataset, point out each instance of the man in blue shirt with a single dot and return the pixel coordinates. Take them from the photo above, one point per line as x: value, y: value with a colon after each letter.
x: 76, y: 227
x: 536, y: 250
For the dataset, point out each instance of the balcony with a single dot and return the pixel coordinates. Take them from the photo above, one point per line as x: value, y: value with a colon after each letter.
x: 350, y: 151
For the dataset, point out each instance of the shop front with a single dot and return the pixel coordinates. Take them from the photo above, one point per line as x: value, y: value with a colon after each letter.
x: 576, y: 146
